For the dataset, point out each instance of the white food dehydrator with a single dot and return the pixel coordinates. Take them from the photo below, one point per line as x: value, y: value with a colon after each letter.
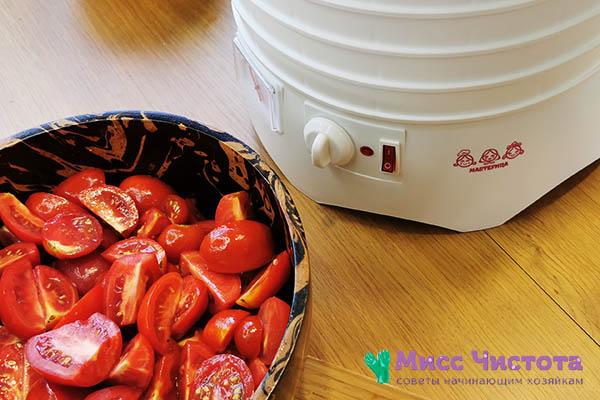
x: 457, y: 113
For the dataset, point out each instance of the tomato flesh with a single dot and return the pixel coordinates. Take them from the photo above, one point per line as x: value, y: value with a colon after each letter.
x: 56, y: 293
x: 147, y: 191
x: 136, y: 245
x: 19, y: 220
x: 113, y: 206
x: 12, y: 370
x: 192, y: 305
x: 219, y: 330
x: 78, y: 354
x: 274, y: 314
x: 238, y: 246
x: 267, y: 283
x: 68, y: 236
x: 193, y: 354
x: 84, y: 272
x: 152, y: 223
x: 116, y: 393
x: 233, y: 207
x: 158, y: 309
x: 177, y: 239
x: 248, y: 337
x: 47, y: 205
x: 92, y: 302
x: 223, y: 376
x: 71, y: 187
x: 18, y: 251
x: 136, y: 364
x: 164, y: 379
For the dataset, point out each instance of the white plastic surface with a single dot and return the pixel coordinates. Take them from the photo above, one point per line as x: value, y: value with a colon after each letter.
x: 328, y: 143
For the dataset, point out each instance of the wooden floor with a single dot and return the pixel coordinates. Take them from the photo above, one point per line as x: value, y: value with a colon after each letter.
x: 530, y: 287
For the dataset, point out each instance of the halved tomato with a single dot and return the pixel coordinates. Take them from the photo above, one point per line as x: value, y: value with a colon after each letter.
x: 233, y: 207
x: 152, y: 223
x: 136, y: 364
x: 259, y: 371
x: 177, y: 239
x: 176, y: 209
x: 274, y: 314
x: 158, y: 309
x: 75, y: 184
x: 248, y: 337
x: 267, y: 283
x: 224, y: 289
x: 164, y: 380
x: 17, y: 251
x: 116, y: 393
x: 113, y: 206
x: 19, y: 220
x: 44, y: 390
x: 238, y: 246
x: 79, y: 354
x: 12, y: 371
x: 125, y: 285
x: 223, y: 376
x: 84, y: 272
x: 219, y: 330
x: 21, y: 312
x: 193, y: 354
x: 147, y: 191
x: 192, y: 305
x: 135, y: 245
x: 56, y: 293
x: 47, y: 205
x: 92, y: 302
x: 67, y: 236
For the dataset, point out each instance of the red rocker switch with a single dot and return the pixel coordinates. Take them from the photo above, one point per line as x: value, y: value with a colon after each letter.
x: 388, y: 159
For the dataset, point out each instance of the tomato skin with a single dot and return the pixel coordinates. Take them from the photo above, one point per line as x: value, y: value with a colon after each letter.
x: 274, y: 314
x: 136, y: 364
x: 68, y: 236
x: 267, y: 283
x: 222, y: 376
x: 259, y: 371
x: 233, y: 207
x: 56, y: 293
x: 176, y: 209
x: 125, y: 285
x: 12, y: 370
x: 19, y: 220
x: 177, y: 239
x: 116, y: 393
x: 21, y: 311
x: 152, y: 223
x: 192, y: 305
x: 113, y: 206
x: 47, y: 205
x: 85, y: 272
x: 219, y: 330
x: 224, y: 289
x: 17, y: 251
x: 147, y: 191
x: 164, y: 379
x: 75, y: 184
x: 43, y: 390
x: 54, y: 357
x: 158, y: 309
x: 238, y: 246
x: 193, y: 354
x: 92, y: 302
x: 248, y: 337
x: 136, y: 245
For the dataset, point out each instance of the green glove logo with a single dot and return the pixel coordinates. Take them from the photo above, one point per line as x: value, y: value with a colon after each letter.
x: 380, y: 365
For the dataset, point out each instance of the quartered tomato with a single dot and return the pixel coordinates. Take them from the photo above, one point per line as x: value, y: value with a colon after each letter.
x: 56, y: 293
x: 67, y: 236
x: 152, y: 223
x: 147, y: 191
x: 177, y: 239
x: 259, y: 371
x: 224, y: 289
x: 136, y: 245
x: 43, y: 390
x: 274, y: 314
x: 47, y: 205
x: 12, y: 372
x: 267, y: 283
x: 164, y: 379
x: 233, y: 207
x: 113, y: 206
x: 21, y: 312
x: 248, y: 337
x: 71, y: 187
x: 192, y: 305
x: 223, y: 376
x: 176, y: 209
x: 84, y: 272
x: 125, y: 285
x: 238, y: 246
x: 193, y: 354
x: 18, y: 251
x: 79, y: 354
x: 219, y: 330
x: 91, y: 303
x: 158, y: 309
x: 116, y: 393
x: 136, y: 364
x: 19, y: 220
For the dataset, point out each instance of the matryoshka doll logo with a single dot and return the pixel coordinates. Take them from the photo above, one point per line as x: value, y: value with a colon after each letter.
x: 464, y: 159
x: 513, y: 151
x: 489, y: 156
